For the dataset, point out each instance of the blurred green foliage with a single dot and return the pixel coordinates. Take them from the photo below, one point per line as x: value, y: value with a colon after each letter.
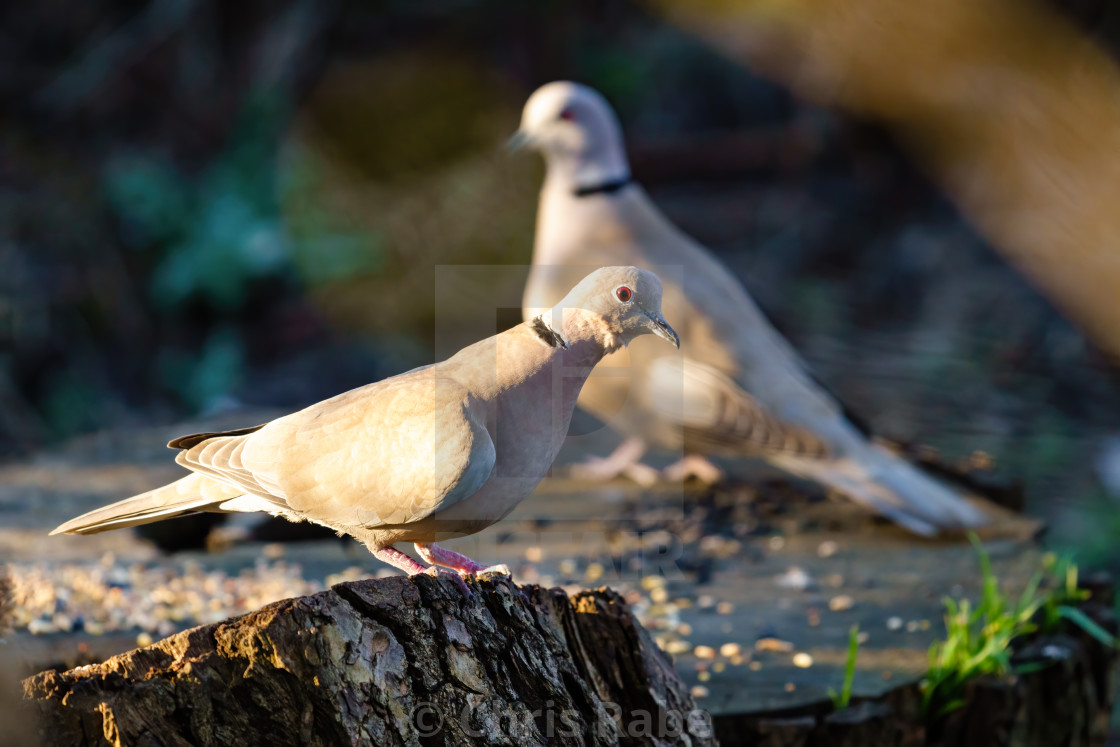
x: 250, y: 216
x: 215, y: 233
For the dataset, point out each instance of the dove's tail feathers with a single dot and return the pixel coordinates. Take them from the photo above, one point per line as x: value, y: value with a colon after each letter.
x: 191, y: 494
x: 892, y: 487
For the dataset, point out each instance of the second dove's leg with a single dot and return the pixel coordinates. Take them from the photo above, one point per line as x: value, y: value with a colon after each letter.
x: 433, y: 553
x: 693, y: 465
x: 625, y: 460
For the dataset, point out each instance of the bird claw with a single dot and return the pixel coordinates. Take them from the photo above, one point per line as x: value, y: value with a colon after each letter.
x: 597, y: 469
x: 495, y: 570
x: 623, y: 461
x: 693, y: 465
x: 437, y: 572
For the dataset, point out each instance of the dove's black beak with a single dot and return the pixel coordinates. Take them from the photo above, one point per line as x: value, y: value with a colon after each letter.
x: 520, y: 139
x: 661, y: 328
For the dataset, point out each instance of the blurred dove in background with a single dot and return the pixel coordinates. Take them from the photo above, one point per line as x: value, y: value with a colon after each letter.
x: 440, y: 451
x: 739, y: 389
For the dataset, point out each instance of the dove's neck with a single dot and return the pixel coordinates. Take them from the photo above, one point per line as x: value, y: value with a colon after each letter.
x: 586, y: 340
x: 587, y: 172
x: 582, y: 337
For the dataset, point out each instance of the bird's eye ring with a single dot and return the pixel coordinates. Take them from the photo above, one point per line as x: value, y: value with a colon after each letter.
x: 624, y: 293
x: 568, y: 115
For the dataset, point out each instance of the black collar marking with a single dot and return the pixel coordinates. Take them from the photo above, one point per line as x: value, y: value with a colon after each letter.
x: 547, y: 334
x: 603, y: 188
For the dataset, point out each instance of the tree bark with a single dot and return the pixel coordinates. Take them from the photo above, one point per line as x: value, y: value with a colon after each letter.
x: 394, y: 661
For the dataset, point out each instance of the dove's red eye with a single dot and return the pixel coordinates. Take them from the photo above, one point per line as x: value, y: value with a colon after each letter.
x: 568, y: 114
x: 624, y: 294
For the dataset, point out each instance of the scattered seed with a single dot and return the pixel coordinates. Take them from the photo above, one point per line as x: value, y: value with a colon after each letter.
x: 790, y: 687
x: 981, y: 460
x: 652, y: 582
x: 754, y: 666
x: 827, y: 549
x: 729, y: 650
x: 678, y: 647
x: 704, y: 676
x: 725, y: 608
x: 794, y: 578
x: 776, y: 645
x: 841, y: 603
x: 594, y: 571
x: 802, y: 660
x: 534, y: 554
x: 894, y: 623
x: 704, y: 652
x: 699, y: 691
x: 567, y: 567
x: 659, y: 595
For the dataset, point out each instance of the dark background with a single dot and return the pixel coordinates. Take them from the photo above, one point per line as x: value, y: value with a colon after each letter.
x: 207, y: 204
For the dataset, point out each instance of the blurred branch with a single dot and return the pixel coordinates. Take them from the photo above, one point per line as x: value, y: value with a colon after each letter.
x: 1005, y: 102
x: 286, y: 45
x: 94, y: 67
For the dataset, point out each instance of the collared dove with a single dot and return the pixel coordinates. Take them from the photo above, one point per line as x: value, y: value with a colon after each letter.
x: 440, y: 451
x: 737, y: 388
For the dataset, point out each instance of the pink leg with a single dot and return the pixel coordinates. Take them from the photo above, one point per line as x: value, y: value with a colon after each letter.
x: 398, y: 559
x: 624, y: 461
x: 433, y: 553
x: 693, y: 465
x: 437, y: 555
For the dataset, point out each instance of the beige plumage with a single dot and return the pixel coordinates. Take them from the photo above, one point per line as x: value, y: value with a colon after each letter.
x: 441, y: 451
x: 740, y: 390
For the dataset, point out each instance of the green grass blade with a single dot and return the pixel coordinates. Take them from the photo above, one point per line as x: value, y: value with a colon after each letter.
x: 1083, y: 621
x: 843, y: 698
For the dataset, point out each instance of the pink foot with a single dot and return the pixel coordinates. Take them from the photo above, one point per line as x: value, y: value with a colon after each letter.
x: 398, y: 559
x: 437, y: 555
x: 623, y: 461
x: 455, y: 579
x: 693, y: 465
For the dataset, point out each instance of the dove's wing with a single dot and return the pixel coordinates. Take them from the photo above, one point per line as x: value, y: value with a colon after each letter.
x: 385, y: 454
x: 717, y: 416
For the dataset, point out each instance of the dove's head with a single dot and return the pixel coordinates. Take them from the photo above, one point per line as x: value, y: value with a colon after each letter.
x: 576, y: 130
x: 613, y: 305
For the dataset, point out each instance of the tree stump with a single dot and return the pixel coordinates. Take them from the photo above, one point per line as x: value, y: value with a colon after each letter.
x: 393, y: 661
